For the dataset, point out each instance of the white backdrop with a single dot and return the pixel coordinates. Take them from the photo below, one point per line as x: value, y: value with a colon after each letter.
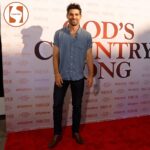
x: 121, y: 52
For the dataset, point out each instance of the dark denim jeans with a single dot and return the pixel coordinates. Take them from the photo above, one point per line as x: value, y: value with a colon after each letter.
x: 77, y: 88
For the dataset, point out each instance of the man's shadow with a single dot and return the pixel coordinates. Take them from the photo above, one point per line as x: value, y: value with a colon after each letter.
x: 40, y: 70
x: 87, y: 100
x: 30, y: 37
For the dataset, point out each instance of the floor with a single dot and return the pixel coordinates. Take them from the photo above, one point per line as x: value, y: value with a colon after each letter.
x: 121, y: 134
x: 2, y: 134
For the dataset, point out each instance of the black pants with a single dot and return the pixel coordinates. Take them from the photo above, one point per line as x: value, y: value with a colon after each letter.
x: 77, y: 88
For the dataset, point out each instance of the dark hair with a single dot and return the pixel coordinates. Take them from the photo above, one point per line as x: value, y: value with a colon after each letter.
x: 74, y: 6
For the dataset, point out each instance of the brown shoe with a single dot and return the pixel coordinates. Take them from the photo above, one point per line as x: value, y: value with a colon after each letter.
x: 56, y: 139
x: 78, y: 138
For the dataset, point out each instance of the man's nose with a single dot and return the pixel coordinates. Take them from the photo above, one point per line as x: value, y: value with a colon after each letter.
x: 74, y: 17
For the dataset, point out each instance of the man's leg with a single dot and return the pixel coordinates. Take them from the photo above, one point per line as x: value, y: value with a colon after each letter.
x: 77, y: 88
x: 59, y: 94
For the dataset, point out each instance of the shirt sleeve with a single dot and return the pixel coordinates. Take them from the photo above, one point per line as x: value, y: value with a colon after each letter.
x: 56, y: 39
x: 89, y: 42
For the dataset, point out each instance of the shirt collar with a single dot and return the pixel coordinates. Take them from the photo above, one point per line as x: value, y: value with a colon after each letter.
x: 68, y: 31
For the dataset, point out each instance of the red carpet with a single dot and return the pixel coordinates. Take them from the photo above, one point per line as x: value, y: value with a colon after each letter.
x: 127, y: 134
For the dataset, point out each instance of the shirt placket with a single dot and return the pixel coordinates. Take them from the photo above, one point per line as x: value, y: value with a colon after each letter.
x: 71, y: 58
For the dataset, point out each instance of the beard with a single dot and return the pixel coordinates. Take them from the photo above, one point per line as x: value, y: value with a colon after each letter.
x: 73, y: 22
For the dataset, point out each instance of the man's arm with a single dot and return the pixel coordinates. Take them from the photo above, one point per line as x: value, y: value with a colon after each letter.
x: 89, y: 60
x: 58, y: 78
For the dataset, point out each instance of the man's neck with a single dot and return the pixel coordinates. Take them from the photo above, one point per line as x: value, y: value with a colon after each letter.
x: 74, y: 28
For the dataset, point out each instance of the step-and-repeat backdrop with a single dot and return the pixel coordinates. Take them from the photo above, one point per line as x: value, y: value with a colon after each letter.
x: 121, y: 52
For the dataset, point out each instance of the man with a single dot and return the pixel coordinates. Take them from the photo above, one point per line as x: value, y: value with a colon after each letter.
x: 72, y: 47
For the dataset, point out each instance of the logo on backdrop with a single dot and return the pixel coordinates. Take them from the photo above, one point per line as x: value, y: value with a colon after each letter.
x: 16, y: 14
x: 106, y: 46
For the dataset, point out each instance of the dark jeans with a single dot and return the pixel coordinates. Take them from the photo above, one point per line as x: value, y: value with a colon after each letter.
x: 77, y: 88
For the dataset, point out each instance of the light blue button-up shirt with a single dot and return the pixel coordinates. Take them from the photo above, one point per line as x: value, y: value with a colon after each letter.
x: 72, y: 52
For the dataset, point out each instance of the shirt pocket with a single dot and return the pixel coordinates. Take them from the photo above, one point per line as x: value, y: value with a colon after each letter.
x: 80, y: 49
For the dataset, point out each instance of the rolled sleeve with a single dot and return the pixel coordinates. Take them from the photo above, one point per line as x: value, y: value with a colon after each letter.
x: 89, y: 42
x: 56, y: 39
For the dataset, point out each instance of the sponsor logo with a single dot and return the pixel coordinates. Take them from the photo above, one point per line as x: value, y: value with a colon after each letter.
x: 107, y: 84
x: 42, y: 113
x: 91, y: 100
x: 42, y: 88
x: 133, y: 103
x: 132, y: 110
x: 120, y: 98
x: 133, y: 89
x: 16, y: 14
x: 145, y: 89
x: 24, y: 98
x: 133, y: 97
x: 23, y: 81
x: 6, y: 72
x: 8, y: 99
x: 146, y: 96
x: 43, y: 121
x: 120, y: 83
x: 43, y: 105
x: 23, y: 71
x: 106, y: 99
x: 10, y: 116
x: 24, y: 122
x: 120, y: 105
x: 41, y: 71
x: 25, y: 114
x: 105, y: 114
x: 42, y: 80
x: 8, y: 63
x: 23, y: 62
x: 133, y: 83
x: 7, y: 81
x: 120, y: 91
x: 42, y: 97
x: 23, y: 89
x: 106, y: 92
x: 24, y: 106
x: 145, y: 102
x: 92, y: 108
x: 7, y: 90
x: 105, y: 106
x: 8, y: 107
x: 119, y: 112
x: 145, y: 109
x: 90, y: 116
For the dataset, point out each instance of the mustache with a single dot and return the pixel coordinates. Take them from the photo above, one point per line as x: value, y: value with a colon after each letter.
x: 73, y: 19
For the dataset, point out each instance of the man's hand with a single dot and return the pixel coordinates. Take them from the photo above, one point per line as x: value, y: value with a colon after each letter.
x: 90, y: 81
x: 58, y: 80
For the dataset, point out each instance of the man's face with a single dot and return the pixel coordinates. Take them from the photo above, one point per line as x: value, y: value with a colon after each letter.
x: 74, y: 17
